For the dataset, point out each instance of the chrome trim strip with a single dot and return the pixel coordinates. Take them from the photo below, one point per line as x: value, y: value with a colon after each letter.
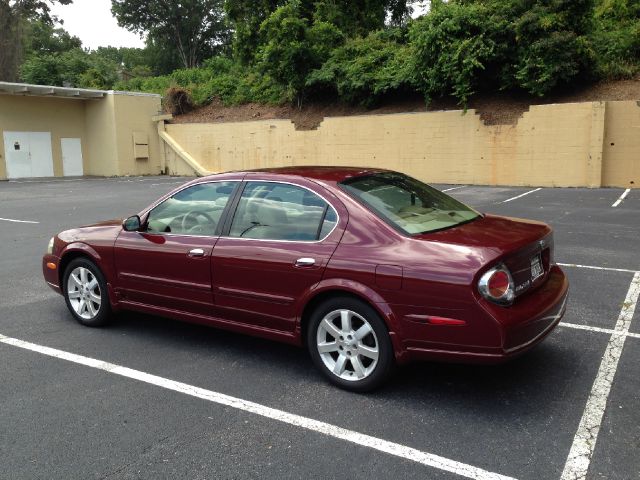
x: 166, y: 281
x: 263, y: 297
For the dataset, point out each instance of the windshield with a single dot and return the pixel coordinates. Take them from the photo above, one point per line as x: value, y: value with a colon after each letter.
x: 407, y: 203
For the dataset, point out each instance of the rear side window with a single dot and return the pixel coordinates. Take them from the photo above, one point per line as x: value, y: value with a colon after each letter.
x: 193, y: 211
x: 408, y: 204
x: 278, y: 211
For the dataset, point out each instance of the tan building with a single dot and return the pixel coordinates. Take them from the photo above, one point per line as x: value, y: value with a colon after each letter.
x: 55, y: 131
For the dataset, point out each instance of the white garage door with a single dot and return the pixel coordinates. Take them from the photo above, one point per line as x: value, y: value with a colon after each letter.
x: 28, y: 154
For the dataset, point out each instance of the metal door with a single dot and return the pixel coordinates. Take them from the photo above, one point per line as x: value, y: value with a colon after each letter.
x: 16, y: 153
x: 28, y: 154
x: 72, y: 157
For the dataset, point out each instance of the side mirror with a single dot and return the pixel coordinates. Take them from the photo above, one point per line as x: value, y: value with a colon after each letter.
x: 131, y: 224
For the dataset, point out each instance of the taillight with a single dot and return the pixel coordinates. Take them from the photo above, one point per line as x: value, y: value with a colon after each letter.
x: 497, y: 285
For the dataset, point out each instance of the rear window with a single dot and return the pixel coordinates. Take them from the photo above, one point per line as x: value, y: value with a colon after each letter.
x: 408, y: 204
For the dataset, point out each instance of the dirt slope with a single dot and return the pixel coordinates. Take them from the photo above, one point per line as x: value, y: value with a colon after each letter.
x: 495, y: 109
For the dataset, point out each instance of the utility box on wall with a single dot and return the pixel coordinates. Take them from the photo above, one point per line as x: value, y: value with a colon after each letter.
x: 141, y: 145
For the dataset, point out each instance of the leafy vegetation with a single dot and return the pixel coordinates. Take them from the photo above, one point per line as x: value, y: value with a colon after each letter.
x: 355, y: 51
x: 364, y: 70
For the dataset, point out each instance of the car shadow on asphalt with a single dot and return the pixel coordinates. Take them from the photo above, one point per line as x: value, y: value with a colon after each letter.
x: 547, y: 370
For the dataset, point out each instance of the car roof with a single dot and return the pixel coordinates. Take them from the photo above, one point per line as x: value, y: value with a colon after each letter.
x: 316, y: 172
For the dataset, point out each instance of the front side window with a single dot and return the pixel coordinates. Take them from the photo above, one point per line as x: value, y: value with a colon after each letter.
x: 279, y: 211
x: 193, y: 211
x: 408, y: 204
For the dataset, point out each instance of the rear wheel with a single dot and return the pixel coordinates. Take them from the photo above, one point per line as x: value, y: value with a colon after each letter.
x: 85, y: 292
x: 350, y: 344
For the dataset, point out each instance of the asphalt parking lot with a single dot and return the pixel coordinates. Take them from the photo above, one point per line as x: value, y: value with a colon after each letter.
x: 153, y: 398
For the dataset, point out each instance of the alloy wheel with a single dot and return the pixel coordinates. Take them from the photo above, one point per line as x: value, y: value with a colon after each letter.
x: 83, y: 291
x: 347, y: 345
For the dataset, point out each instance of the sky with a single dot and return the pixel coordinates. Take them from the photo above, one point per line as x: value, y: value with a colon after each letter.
x: 92, y: 22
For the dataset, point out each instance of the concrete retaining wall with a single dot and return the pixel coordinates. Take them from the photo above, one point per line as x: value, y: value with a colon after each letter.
x: 566, y: 145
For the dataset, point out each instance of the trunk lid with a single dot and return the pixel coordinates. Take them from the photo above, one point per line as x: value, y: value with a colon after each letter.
x: 524, y: 246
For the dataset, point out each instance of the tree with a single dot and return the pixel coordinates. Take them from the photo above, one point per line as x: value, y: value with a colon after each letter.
x: 351, y: 17
x: 360, y: 17
x: 43, y: 37
x: 14, y: 14
x: 551, y: 43
x: 292, y: 48
x: 363, y: 70
x: 62, y: 69
x: 246, y: 16
x: 195, y: 29
x: 458, y: 48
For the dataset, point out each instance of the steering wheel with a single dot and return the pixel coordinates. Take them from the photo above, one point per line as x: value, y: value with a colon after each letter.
x: 194, y: 214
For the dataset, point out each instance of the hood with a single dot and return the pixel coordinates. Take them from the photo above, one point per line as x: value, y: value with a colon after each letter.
x: 114, y: 222
x: 106, y: 231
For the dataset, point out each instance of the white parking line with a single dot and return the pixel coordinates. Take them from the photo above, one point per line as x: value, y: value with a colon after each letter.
x: 622, y: 197
x: 454, y: 188
x: 521, y: 195
x: 608, y: 269
x: 589, y: 328
x: 334, y: 431
x: 584, y: 442
x: 16, y: 221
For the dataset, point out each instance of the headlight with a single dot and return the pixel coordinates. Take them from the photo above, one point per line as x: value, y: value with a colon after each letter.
x: 50, y: 247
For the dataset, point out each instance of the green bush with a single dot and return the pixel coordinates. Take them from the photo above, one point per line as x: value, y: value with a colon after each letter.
x: 551, y: 46
x: 363, y: 70
x: 616, y: 38
x: 292, y: 48
x: 550, y: 61
x: 219, y: 77
x: 458, y: 48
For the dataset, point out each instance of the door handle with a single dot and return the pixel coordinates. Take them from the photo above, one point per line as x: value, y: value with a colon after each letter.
x: 196, y: 252
x: 305, y: 262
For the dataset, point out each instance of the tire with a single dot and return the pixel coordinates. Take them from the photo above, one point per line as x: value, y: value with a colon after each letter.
x: 85, y: 293
x: 354, y: 353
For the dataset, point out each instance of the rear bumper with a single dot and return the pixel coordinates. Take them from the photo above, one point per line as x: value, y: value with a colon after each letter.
x: 51, y: 274
x: 522, y: 326
x: 535, y: 316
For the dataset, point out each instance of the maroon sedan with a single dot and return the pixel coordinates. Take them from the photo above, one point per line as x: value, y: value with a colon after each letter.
x: 368, y: 268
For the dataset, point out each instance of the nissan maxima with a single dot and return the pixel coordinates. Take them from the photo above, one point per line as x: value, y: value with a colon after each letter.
x: 366, y: 268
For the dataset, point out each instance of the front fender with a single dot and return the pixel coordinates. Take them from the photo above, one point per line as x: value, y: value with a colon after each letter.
x: 105, y: 265
x: 81, y: 247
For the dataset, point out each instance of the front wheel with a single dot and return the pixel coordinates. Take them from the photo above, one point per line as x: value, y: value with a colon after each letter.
x: 85, y: 292
x: 350, y: 344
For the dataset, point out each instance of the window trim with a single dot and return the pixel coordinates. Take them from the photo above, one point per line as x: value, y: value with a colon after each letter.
x: 236, y: 200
